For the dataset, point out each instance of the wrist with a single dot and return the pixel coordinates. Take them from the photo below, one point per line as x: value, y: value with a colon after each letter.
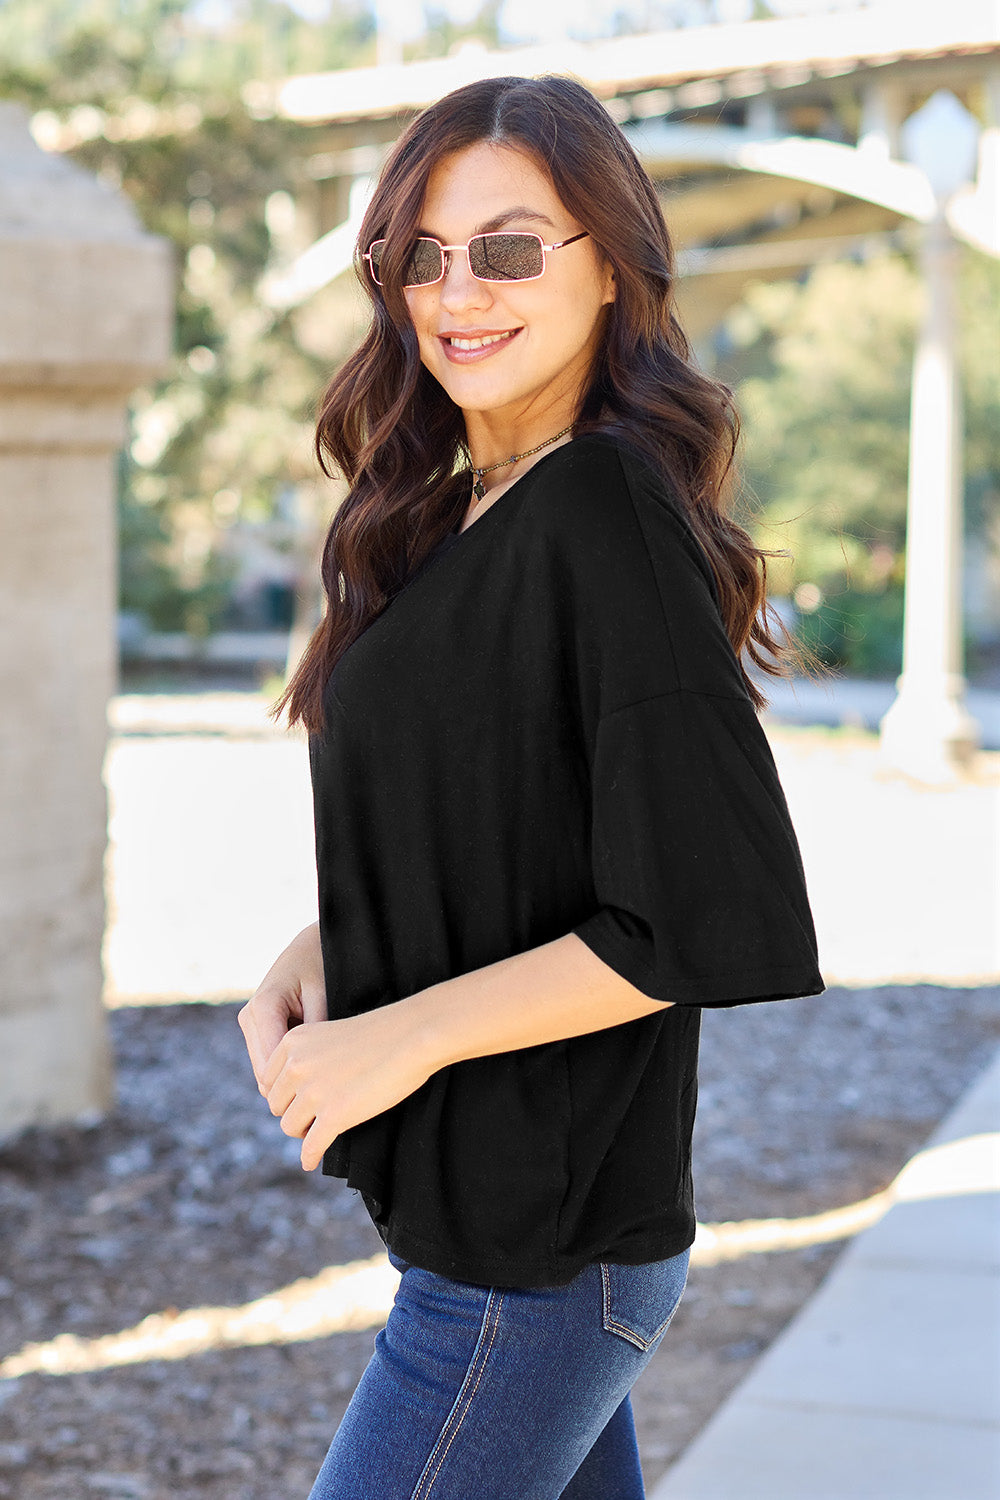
x: 429, y: 1037
x: 308, y: 938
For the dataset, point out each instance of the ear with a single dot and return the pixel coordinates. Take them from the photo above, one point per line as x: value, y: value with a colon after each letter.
x: 609, y: 284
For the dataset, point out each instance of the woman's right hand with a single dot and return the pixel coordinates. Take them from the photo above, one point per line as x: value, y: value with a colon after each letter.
x: 292, y: 990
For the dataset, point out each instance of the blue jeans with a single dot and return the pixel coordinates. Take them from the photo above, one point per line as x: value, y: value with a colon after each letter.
x: 500, y: 1393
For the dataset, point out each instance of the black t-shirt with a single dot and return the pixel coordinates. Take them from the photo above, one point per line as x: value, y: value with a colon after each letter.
x: 545, y: 731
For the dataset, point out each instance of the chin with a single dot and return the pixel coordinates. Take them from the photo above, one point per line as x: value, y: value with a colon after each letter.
x: 477, y: 388
x: 471, y: 395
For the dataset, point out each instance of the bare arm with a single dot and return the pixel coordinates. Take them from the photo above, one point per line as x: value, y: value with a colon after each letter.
x: 558, y: 990
x: 323, y: 1078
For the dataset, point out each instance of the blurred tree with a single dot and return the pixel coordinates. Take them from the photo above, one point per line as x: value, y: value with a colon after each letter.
x: 822, y: 369
x: 444, y: 34
x: 148, y: 94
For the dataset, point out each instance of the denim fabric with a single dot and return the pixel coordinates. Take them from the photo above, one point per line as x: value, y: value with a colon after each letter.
x: 500, y: 1393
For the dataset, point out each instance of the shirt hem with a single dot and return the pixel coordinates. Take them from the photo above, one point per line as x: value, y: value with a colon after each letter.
x: 489, y: 1271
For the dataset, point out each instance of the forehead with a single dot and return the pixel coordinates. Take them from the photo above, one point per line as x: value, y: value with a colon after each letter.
x: 477, y: 185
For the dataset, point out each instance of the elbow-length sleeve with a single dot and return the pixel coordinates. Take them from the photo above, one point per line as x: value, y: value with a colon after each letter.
x: 695, y: 863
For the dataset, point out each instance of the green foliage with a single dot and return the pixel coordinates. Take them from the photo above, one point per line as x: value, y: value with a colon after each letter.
x: 153, y: 90
x: 823, y: 369
x: 857, y: 632
x: 154, y: 97
x: 443, y: 34
x: 60, y: 53
x: 979, y: 313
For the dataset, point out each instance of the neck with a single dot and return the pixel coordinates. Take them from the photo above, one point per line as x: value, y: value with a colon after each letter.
x: 492, y: 453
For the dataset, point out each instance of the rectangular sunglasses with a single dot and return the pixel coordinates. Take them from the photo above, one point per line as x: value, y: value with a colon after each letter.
x: 492, y: 257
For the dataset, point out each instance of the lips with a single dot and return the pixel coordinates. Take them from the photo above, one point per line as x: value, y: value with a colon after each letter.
x: 469, y: 348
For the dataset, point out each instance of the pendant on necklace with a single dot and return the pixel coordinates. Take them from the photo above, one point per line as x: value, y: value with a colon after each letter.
x: 479, y: 489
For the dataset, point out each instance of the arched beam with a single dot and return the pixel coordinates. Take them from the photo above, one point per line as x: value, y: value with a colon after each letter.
x: 326, y: 259
x: 895, y: 185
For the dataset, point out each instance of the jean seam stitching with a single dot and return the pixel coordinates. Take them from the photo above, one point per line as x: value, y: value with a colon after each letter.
x: 612, y: 1325
x: 466, y: 1400
x: 628, y: 1333
x: 465, y: 1396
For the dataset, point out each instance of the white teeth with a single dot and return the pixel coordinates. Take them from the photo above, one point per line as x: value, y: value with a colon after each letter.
x: 492, y: 338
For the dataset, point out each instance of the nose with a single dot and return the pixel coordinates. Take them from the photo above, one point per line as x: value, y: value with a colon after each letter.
x: 459, y: 288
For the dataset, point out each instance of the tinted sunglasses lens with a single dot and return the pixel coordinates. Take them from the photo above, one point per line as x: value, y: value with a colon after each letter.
x: 506, y: 257
x: 425, y: 264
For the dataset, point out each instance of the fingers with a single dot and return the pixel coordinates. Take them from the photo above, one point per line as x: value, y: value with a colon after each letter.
x: 316, y: 1139
x: 248, y: 1026
x: 280, y: 1095
x: 297, y: 1119
x: 274, y: 1065
x: 289, y: 1095
x: 286, y: 1092
x: 264, y: 1021
x: 314, y: 1002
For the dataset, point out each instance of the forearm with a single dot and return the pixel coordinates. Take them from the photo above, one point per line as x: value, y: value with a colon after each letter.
x: 323, y: 1079
x: 560, y: 989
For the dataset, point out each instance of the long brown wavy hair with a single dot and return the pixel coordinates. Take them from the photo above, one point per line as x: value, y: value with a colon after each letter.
x: 399, y: 441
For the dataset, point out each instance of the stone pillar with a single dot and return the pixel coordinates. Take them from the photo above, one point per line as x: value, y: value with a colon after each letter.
x: 85, y: 316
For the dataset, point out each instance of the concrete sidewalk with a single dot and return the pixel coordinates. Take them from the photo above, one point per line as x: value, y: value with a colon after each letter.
x: 886, y: 1385
x: 840, y: 701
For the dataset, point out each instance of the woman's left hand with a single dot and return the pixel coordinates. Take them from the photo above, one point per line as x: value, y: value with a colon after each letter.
x: 325, y: 1076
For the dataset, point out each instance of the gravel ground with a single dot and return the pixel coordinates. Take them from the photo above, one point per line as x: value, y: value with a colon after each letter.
x: 188, y: 1196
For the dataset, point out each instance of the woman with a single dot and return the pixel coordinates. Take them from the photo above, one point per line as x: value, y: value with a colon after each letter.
x: 548, y: 826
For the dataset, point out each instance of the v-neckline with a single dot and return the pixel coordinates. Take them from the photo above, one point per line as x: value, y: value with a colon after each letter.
x: 452, y: 538
x: 457, y: 535
x: 508, y: 485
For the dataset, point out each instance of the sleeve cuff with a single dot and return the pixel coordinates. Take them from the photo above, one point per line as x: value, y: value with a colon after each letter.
x: 620, y: 941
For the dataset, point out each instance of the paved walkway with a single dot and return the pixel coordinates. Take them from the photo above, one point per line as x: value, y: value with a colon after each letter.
x: 856, y: 703
x: 886, y: 1385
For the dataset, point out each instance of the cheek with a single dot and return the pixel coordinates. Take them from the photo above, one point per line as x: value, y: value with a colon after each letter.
x: 416, y: 306
x: 577, y: 319
x: 423, y: 324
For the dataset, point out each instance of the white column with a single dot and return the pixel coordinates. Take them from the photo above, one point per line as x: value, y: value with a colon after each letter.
x: 762, y: 115
x: 928, y: 732
x: 988, y: 171
x: 878, y: 131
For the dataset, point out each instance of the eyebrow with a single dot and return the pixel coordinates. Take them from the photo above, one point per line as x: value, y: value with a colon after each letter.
x: 522, y: 211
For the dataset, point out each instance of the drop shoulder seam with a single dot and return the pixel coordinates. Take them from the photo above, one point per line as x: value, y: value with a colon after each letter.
x: 676, y: 693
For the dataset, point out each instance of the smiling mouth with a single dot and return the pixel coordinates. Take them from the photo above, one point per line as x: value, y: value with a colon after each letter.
x: 480, y: 343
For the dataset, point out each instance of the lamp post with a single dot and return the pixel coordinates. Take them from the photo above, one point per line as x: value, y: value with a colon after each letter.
x: 928, y: 732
